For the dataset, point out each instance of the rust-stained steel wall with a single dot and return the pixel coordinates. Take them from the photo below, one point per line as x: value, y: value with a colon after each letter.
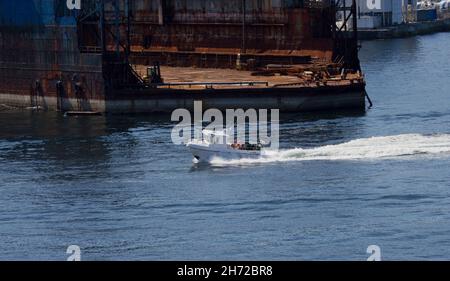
x: 34, y: 61
x: 272, y: 27
x: 190, y: 24
x: 40, y: 60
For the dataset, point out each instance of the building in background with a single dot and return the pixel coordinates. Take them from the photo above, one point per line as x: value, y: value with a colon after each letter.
x: 432, y: 10
x: 388, y: 13
x: 443, y: 9
x: 383, y: 19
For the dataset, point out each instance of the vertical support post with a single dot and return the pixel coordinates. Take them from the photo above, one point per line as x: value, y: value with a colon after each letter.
x: 117, y: 26
x: 102, y: 25
x: 128, y: 15
x: 161, y: 12
x: 345, y: 14
x: 244, y: 19
x: 356, y: 63
x: 355, y: 21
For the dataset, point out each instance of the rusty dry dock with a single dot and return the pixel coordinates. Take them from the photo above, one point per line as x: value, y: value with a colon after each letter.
x: 293, y: 56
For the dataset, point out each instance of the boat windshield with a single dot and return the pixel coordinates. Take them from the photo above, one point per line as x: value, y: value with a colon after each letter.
x: 215, y: 137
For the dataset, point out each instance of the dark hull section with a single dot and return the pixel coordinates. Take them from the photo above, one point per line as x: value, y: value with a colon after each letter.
x: 165, y: 101
x: 286, y: 99
x: 43, y: 67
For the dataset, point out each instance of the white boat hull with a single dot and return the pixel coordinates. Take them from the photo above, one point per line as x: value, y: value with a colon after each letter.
x: 208, y: 153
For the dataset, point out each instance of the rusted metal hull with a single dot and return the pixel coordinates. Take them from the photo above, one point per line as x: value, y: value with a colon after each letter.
x: 39, y: 64
x: 51, y: 61
x: 166, y: 100
x: 285, y: 99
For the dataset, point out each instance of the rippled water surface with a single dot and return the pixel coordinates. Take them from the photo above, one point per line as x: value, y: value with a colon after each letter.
x: 117, y: 187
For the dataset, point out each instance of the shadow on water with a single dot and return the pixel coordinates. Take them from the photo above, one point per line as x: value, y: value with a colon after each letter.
x: 61, y: 147
x: 93, y: 143
x: 59, y: 136
x: 286, y: 118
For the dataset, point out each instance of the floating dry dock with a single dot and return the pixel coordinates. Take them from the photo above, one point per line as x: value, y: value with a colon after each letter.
x: 282, y: 54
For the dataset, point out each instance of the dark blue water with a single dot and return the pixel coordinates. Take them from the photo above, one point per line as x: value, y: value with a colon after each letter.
x: 119, y: 189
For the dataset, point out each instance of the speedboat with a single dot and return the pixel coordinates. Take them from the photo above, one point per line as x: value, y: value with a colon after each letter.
x: 214, y: 146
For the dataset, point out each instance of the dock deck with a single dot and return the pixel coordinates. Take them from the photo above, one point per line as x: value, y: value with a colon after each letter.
x: 289, y: 89
x: 295, y: 76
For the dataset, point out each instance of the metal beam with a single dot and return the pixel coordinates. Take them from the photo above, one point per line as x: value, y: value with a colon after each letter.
x: 161, y: 4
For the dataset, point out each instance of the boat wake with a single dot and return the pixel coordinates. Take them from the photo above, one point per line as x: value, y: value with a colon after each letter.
x: 387, y: 147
